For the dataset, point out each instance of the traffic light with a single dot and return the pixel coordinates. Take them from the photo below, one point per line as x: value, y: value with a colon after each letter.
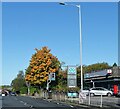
x: 53, y: 76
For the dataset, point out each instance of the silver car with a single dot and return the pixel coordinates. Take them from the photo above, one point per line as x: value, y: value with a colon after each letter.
x: 100, y: 91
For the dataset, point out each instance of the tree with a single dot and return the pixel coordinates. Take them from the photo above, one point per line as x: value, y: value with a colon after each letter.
x: 41, y: 65
x: 114, y: 65
x: 95, y: 67
x: 18, y: 82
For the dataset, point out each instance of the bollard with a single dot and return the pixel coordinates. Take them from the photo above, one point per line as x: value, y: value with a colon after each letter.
x: 55, y: 97
x: 101, y: 101
x: 71, y: 99
x: 65, y: 97
x: 60, y: 97
x: 89, y: 99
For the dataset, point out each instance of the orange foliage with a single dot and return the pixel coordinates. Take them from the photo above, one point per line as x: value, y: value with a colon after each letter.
x: 42, y: 63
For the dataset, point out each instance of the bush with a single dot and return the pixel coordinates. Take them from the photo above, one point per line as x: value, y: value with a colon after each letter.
x: 32, y: 90
x: 23, y: 90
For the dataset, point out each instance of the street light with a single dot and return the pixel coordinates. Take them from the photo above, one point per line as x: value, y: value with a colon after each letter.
x: 80, y: 27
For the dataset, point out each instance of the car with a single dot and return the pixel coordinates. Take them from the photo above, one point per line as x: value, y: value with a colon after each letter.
x: 86, y: 90
x: 100, y: 91
x: 13, y: 94
x: 3, y: 94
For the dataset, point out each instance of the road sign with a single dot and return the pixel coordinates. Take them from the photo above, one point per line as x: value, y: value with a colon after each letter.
x: 109, y: 71
x: 72, y: 70
x: 82, y: 96
x: 71, y: 82
x: 72, y: 76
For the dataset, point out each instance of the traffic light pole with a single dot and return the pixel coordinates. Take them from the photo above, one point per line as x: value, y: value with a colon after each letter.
x: 48, y: 82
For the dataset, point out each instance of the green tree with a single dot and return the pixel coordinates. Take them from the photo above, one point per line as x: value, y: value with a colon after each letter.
x: 18, y: 82
x: 95, y: 67
x: 114, y: 65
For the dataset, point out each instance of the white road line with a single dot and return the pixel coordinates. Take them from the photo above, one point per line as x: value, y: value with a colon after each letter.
x: 71, y: 106
x: 31, y: 107
x: 25, y: 104
x: 21, y: 101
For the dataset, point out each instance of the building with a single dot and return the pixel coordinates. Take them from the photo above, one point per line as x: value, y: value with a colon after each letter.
x: 108, y: 78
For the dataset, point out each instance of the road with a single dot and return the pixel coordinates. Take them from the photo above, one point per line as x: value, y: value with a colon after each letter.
x: 14, y: 102
x: 19, y: 101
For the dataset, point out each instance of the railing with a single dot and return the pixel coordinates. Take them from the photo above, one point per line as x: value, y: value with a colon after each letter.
x: 62, y: 97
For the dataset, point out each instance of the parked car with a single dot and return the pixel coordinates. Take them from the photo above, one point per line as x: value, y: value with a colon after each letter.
x: 100, y: 91
x: 3, y: 94
x: 13, y: 94
x: 86, y: 90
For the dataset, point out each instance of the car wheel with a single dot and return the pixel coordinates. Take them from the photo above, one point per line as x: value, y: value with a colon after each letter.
x: 108, y: 94
x: 92, y: 94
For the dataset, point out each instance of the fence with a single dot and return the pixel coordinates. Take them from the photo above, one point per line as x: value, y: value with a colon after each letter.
x: 62, y: 97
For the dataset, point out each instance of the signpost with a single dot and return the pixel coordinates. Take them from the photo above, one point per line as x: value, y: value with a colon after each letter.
x: 72, y: 76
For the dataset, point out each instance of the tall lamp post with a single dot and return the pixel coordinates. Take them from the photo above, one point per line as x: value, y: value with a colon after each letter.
x: 80, y: 27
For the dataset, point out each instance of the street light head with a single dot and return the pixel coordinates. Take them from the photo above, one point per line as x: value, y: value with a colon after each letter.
x: 62, y: 3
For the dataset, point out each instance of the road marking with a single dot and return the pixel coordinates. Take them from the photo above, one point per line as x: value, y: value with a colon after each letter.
x: 25, y: 103
x: 21, y: 101
x: 71, y: 106
x: 31, y: 106
x: 83, y: 106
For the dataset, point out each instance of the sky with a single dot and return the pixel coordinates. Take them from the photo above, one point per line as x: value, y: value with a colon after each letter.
x: 26, y: 26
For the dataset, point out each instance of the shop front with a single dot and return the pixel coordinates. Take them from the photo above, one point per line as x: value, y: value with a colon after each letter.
x: 108, y: 78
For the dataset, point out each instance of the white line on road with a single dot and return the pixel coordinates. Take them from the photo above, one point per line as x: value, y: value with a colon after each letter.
x: 71, y: 106
x: 25, y: 104
x: 21, y: 101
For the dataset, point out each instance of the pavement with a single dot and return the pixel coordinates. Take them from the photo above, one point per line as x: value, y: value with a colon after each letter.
x: 108, y: 103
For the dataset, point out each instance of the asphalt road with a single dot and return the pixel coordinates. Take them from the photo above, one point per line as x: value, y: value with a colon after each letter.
x: 17, y: 102
x: 24, y: 102
x: 13, y: 102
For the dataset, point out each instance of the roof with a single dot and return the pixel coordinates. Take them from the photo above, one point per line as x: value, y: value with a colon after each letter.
x: 115, y: 72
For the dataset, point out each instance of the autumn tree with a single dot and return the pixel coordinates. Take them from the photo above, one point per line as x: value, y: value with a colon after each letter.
x: 42, y: 63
